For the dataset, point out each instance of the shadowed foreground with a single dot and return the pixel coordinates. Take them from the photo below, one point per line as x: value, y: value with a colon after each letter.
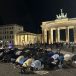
x: 7, y: 69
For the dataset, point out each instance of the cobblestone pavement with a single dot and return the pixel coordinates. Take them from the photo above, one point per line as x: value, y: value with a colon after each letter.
x: 7, y: 69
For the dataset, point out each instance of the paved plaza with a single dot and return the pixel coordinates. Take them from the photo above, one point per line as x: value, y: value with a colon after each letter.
x: 7, y: 69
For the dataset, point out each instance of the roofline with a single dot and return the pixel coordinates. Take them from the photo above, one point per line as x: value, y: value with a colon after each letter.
x: 11, y: 25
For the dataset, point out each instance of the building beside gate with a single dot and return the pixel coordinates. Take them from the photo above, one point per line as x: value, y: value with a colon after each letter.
x: 14, y: 34
x: 24, y: 38
x: 63, y: 29
x: 8, y: 33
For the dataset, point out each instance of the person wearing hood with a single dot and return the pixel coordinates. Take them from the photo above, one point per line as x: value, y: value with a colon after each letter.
x: 53, y: 60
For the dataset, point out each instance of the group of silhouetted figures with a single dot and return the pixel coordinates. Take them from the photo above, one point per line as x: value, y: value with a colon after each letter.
x: 36, y: 57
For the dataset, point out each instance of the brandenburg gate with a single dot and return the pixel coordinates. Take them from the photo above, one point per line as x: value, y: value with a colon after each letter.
x: 63, y: 27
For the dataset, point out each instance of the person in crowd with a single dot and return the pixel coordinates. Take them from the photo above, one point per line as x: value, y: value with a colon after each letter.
x: 27, y: 64
x: 53, y: 60
x: 18, y: 60
x: 72, y: 49
x: 61, y: 60
x: 36, y: 65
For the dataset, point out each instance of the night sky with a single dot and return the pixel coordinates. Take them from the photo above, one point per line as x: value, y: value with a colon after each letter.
x: 30, y: 13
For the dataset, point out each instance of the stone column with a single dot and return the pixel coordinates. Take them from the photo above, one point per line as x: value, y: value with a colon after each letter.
x: 18, y: 40
x: 67, y: 34
x: 42, y: 36
x: 51, y: 36
x: 45, y: 35
x: 25, y: 39
x: 57, y: 35
x: 74, y: 34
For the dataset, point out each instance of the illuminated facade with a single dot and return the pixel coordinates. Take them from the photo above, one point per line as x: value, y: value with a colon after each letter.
x: 8, y: 33
x: 24, y: 38
x: 15, y: 35
x: 59, y: 30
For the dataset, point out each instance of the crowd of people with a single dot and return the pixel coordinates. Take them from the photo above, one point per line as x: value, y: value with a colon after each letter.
x: 36, y: 57
x: 40, y: 59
